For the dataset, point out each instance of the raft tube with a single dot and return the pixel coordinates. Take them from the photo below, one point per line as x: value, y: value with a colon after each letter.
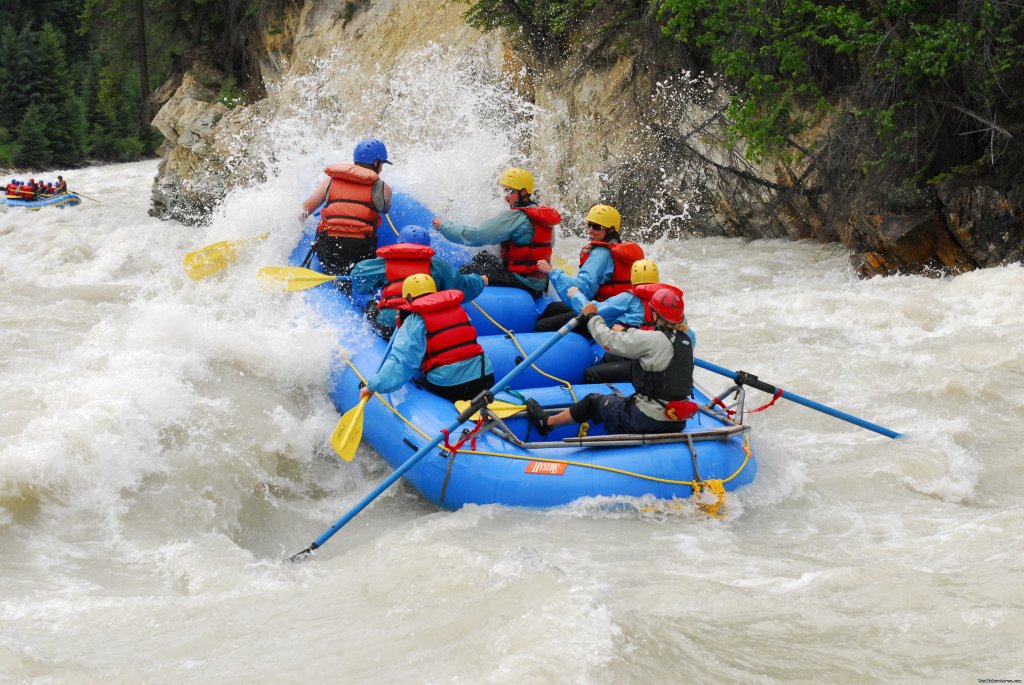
x: 62, y: 200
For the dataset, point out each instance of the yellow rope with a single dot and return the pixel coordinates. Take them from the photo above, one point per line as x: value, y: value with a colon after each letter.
x: 695, y: 484
x: 519, y: 347
x: 584, y: 427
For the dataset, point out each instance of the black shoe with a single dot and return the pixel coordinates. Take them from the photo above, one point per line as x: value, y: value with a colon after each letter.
x: 537, y: 417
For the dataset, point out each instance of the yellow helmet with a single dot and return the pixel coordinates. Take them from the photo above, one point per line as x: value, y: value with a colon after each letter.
x: 643, y: 271
x: 604, y: 215
x: 418, y: 284
x: 517, y: 179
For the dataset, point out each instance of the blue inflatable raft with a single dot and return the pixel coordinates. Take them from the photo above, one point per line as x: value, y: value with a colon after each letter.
x: 497, y: 458
x: 62, y: 200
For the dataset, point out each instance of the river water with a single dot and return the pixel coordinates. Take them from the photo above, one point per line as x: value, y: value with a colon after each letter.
x: 163, y: 447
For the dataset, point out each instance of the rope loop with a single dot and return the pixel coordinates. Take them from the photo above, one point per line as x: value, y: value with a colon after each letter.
x: 777, y: 395
x: 466, y: 436
x: 715, y: 487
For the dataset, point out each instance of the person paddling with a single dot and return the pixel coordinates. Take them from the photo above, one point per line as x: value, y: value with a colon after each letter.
x: 412, y: 254
x: 525, y: 234
x: 355, y: 199
x: 436, y: 339
x: 661, y: 370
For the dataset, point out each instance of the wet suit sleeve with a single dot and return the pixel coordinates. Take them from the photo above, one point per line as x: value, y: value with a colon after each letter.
x: 405, y: 358
x: 368, y: 276
x: 509, y: 225
x: 591, y: 275
x: 447, y: 277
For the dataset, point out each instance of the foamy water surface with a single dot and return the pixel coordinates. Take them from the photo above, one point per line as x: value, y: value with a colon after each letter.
x: 163, y: 447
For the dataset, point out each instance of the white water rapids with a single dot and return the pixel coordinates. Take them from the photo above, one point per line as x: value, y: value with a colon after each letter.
x: 163, y: 446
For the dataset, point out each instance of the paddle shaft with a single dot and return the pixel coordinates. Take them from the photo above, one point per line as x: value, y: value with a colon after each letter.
x: 478, y: 402
x: 744, y: 378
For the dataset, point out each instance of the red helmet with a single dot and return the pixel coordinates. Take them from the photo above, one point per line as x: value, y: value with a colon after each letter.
x: 668, y: 304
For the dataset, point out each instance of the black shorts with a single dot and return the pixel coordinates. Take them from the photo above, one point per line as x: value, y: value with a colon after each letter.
x: 338, y: 255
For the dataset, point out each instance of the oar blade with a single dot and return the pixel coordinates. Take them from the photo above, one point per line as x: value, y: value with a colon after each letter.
x: 208, y: 260
x: 288, y: 279
x: 564, y: 265
x: 349, y: 431
x: 502, y: 410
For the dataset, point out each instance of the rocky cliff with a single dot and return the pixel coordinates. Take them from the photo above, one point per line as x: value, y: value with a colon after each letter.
x: 608, y: 122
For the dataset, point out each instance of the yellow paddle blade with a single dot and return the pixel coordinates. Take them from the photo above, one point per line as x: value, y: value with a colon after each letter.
x: 502, y: 410
x: 288, y: 279
x: 565, y: 266
x: 349, y: 431
x: 208, y: 260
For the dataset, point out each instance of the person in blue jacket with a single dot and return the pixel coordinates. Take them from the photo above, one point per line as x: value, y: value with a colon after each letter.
x: 630, y: 309
x: 412, y: 254
x: 435, y: 338
x: 661, y: 370
x: 525, y: 234
x: 605, y: 268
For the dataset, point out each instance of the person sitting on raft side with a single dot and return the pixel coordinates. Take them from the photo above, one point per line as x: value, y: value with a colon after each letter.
x: 525, y: 233
x: 662, y: 373
x: 605, y: 266
x: 355, y: 200
x: 412, y: 254
x: 630, y: 309
x: 62, y: 186
x: 434, y: 337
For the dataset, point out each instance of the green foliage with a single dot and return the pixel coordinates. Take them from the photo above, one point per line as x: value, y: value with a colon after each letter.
x: 926, y: 67
x: 7, y: 148
x: 545, y: 23
x: 80, y: 62
x: 54, y: 92
x: 33, y: 140
x: 229, y: 94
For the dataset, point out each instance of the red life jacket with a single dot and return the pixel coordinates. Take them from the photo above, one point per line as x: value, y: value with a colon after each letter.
x: 450, y: 335
x: 522, y: 259
x: 401, y: 260
x: 350, y: 211
x: 645, y: 291
x: 623, y: 256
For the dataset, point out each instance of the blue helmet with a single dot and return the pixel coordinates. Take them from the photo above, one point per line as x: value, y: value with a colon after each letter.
x: 369, y: 151
x: 414, y: 234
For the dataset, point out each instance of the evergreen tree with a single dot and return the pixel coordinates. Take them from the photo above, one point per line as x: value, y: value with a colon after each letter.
x: 9, y: 116
x: 34, y: 149
x: 20, y: 59
x: 58, y: 101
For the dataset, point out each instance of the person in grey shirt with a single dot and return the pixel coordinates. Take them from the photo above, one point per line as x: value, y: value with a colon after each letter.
x: 662, y: 375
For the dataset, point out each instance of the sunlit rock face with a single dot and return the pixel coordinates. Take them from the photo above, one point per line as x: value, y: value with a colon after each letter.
x: 604, y: 124
x: 601, y: 126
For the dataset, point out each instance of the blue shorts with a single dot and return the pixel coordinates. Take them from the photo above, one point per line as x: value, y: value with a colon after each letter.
x: 619, y: 415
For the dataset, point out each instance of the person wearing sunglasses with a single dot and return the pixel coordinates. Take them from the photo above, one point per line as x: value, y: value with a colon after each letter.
x: 605, y: 267
x: 525, y: 235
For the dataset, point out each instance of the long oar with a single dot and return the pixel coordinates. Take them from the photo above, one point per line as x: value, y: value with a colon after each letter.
x: 208, y: 260
x: 289, y: 279
x: 478, y: 403
x: 744, y: 378
x: 82, y: 195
